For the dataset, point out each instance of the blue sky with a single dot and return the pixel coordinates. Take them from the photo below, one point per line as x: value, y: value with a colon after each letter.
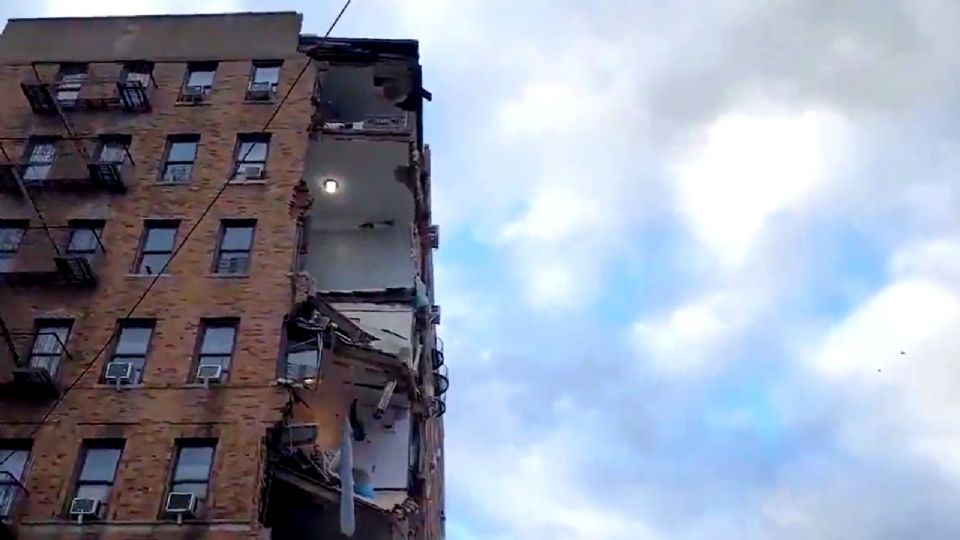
x: 683, y: 248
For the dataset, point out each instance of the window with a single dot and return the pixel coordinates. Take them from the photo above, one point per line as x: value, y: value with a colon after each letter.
x: 113, y: 148
x: 263, y: 81
x: 198, y: 82
x: 233, y: 252
x: 48, y: 344
x: 69, y: 81
x: 98, y: 469
x: 132, y: 345
x: 181, y: 152
x: 191, y: 471
x: 138, y: 72
x: 85, y: 237
x: 40, y: 156
x: 11, y: 235
x: 157, y: 246
x: 216, y: 345
x: 251, y: 158
x: 13, y: 456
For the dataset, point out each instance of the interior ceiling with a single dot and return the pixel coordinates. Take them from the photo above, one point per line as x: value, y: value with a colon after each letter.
x: 368, y: 192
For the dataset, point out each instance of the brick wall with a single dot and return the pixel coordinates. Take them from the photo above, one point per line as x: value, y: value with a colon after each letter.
x: 165, y: 407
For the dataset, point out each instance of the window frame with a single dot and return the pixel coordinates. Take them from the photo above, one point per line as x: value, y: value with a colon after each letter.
x: 86, y: 446
x: 95, y: 226
x: 7, y: 254
x: 81, y: 74
x: 240, y: 161
x: 198, y: 357
x: 172, y: 140
x: 32, y: 164
x: 142, y: 251
x: 123, y: 324
x: 226, y: 224
x: 198, y: 67
x: 14, y: 483
x: 178, y: 446
x: 255, y: 66
x: 114, y: 139
x: 48, y: 326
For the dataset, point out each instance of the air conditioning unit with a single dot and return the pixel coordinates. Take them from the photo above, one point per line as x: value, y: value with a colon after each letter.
x: 434, y: 314
x: 260, y: 91
x: 433, y: 234
x: 181, y: 505
x: 192, y: 94
x: 209, y: 373
x: 119, y: 373
x: 252, y: 172
x: 86, y: 508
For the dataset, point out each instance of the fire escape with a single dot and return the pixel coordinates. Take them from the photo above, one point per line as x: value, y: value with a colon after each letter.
x: 37, y: 253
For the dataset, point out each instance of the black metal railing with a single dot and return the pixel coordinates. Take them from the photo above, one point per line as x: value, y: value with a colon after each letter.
x: 130, y: 92
x: 34, y: 359
x: 12, y: 496
x: 66, y: 164
x: 69, y: 255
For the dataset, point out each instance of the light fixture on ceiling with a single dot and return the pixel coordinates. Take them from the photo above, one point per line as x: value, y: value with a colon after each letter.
x: 330, y: 186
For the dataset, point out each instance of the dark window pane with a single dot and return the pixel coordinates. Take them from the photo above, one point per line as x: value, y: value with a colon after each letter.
x: 237, y: 238
x: 133, y: 340
x: 200, y: 78
x: 218, y: 340
x: 100, y: 464
x: 252, y: 151
x: 153, y: 263
x: 101, y: 492
x: 10, y: 238
x: 193, y: 463
x: 113, y: 152
x: 182, y: 151
x: 197, y: 488
x: 14, y: 462
x: 83, y: 241
x: 159, y: 239
x: 177, y: 173
x: 270, y: 74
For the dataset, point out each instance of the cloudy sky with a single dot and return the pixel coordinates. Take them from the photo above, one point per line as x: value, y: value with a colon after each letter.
x: 700, y: 262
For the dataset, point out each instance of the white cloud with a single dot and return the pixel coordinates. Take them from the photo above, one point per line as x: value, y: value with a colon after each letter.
x: 746, y: 169
x: 690, y: 339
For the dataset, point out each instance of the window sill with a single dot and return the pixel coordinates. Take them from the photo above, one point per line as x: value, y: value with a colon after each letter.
x: 169, y: 184
x: 192, y: 104
x: 132, y: 275
x: 205, y: 386
x: 257, y: 182
x: 228, y: 276
x: 109, y: 386
x: 270, y: 101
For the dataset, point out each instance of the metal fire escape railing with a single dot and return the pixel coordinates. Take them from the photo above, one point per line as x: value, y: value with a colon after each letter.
x: 131, y: 91
x: 51, y: 255
x: 65, y: 164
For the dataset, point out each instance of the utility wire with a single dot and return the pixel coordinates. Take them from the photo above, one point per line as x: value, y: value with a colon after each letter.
x: 173, y: 255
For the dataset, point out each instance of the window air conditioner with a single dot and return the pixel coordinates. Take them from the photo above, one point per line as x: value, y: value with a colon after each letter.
x: 86, y: 508
x: 209, y: 373
x: 260, y: 91
x: 119, y: 373
x: 192, y: 94
x: 252, y: 172
x: 181, y: 505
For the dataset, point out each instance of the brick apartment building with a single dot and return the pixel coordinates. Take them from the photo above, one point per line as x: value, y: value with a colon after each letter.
x: 279, y: 376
